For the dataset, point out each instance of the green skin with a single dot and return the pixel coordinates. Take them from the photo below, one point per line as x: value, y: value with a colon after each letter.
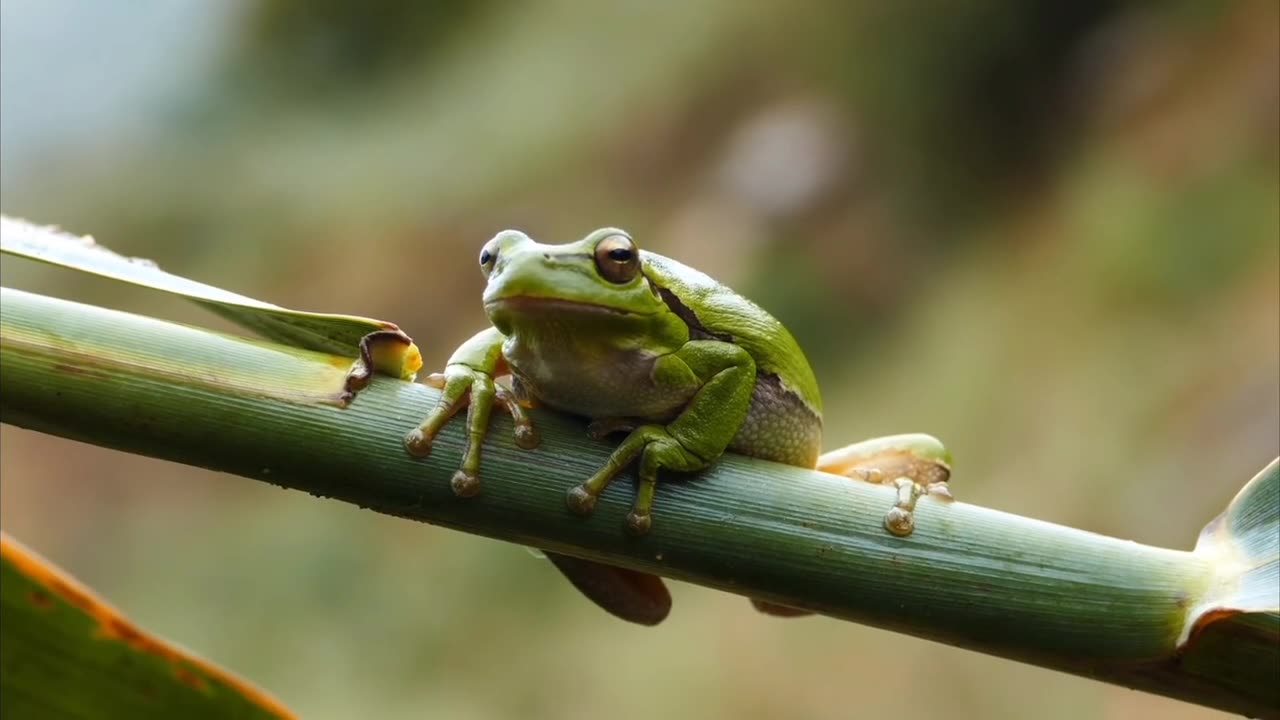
x: 685, y: 365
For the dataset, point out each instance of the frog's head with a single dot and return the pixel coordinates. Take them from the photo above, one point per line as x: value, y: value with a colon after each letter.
x: 598, y: 277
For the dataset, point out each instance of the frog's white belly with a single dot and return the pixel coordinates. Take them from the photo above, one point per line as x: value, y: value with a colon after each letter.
x: 593, y: 381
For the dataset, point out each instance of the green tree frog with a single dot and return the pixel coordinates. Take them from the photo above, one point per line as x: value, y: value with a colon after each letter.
x: 687, y: 368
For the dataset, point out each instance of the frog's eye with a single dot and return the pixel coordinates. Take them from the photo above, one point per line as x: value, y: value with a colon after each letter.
x: 617, y: 259
x: 488, y: 256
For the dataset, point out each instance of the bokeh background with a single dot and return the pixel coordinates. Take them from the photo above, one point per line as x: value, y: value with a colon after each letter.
x: 1048, y: 233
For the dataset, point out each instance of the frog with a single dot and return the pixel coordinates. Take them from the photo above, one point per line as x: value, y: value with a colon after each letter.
x: 681, y: 366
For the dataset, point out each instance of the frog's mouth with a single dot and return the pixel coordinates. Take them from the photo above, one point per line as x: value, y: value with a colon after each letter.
x: 530, y: 304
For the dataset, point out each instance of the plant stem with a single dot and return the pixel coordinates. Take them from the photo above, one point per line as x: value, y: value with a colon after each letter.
x: 1010, y: 586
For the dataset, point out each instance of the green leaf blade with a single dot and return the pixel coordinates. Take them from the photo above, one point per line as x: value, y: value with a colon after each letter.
x: 322, y: 332
x: 66, y: 653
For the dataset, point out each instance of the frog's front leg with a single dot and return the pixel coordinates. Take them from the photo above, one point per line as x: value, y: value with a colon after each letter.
x: 467, y: 381
x: 724, y: 375
x: 915, y: 465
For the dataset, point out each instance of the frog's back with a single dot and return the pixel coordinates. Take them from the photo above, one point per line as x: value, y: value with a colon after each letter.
x: 784, y: 422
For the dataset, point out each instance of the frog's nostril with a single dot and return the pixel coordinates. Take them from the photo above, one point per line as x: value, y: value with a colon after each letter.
x: 546, y: 256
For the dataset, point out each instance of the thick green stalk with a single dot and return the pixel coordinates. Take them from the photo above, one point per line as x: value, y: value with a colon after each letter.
x: 984, y: 580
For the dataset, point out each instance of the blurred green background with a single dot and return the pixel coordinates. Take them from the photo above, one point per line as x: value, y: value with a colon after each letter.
x: 1048, y: 233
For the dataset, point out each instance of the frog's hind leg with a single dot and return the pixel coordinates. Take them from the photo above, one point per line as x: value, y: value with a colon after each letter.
x: 915, y: 464
x: 921, y: 458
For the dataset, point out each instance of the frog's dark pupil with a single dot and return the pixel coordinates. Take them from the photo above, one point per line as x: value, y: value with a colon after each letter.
x: 620, y: 255
x: 485, y: 257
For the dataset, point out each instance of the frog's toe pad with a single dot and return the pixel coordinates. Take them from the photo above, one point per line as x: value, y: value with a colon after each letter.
x: 899, y: 522
x: 580, y: 501
x: 527, y: 437
x: 418, y: 443
x: 464, y: 484
x: 639, y: 524
x: 940, y: 490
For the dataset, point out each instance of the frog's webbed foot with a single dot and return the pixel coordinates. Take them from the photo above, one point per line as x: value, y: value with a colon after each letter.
x: 915, y: 465
x: 657, y: 448
x: 462, y: 386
